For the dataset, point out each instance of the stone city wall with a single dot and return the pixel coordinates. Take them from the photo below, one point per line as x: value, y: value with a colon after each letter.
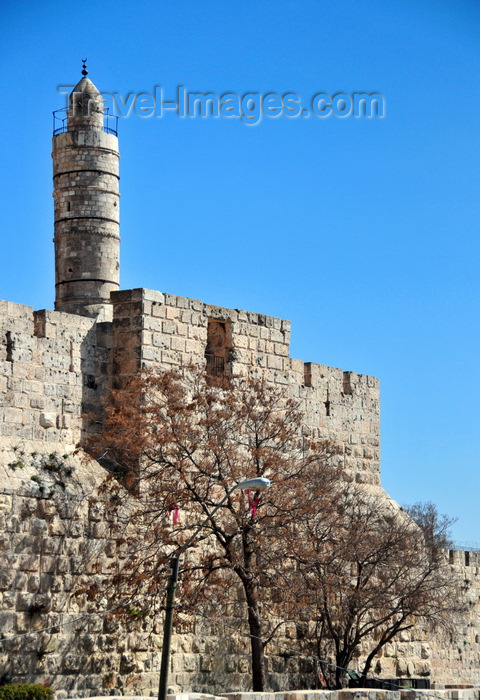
x: 58, y: 534
x: 56, y: 367
x: 446, y: 657
x: 152, y: 329
x: 53, y: 369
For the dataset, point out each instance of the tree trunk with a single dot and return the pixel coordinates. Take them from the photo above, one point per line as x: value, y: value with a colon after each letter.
x: 342, y: 659
x: 259, y: 680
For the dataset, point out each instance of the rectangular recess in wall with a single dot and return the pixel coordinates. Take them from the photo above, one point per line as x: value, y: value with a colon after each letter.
x: 39, y: 324
x: 218, y: 348
x: 9, y: 347
x: 347, y: 384
x: 307, y: 373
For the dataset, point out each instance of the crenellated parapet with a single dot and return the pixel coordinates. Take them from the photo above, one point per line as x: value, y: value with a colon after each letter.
x: 54, y: 369
x: 59, y: 366
x: 156, y: 330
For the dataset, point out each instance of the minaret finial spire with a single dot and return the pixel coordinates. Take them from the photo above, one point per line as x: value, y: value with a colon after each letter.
x: 84, y: 66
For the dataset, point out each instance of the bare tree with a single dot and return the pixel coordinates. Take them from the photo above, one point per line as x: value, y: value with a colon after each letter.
x: 435, y: 527
x: 368, y: 575
x: 180, y: 443
x: 359, y: 564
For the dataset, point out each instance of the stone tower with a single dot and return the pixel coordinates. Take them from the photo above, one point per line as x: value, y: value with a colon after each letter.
x: 85, y: 175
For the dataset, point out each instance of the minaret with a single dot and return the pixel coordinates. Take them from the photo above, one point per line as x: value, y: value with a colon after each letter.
x: 85, y: 175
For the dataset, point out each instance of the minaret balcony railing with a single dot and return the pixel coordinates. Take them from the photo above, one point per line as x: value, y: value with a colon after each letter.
x: 60, y: 122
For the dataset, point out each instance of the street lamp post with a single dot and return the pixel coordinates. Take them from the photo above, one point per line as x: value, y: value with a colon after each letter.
x: 256, y: 484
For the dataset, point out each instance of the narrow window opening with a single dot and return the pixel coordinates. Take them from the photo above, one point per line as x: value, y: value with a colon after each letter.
x: 10, y: 346
x: 70, y: 369
x: 90, y: 381
x: 218, y: 349
x: 467, y: 558
x: 68, y: 206
x: 327, y: 406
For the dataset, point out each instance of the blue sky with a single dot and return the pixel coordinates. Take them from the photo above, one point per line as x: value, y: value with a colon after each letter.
x: 363, y: 232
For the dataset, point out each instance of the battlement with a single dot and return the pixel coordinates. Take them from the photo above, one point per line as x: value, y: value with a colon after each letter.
x: 152, y: 329
x: 58, y: 366
x: 53, y: 368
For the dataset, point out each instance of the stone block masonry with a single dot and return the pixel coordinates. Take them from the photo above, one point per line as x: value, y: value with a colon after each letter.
x: 57, y: 534
x: 54, y: 368
x: 57, y: 367
x: 151, y: 329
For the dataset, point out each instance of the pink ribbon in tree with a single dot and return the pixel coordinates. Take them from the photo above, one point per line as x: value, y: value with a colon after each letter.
x: 174, y: 510
x: 253, y: 503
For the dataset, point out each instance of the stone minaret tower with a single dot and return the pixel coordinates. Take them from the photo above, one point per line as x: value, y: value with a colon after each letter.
x: 85, y: 175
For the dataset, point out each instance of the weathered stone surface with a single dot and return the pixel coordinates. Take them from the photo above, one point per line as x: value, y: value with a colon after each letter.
x: 101, y: 653
x: 48, y: 528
